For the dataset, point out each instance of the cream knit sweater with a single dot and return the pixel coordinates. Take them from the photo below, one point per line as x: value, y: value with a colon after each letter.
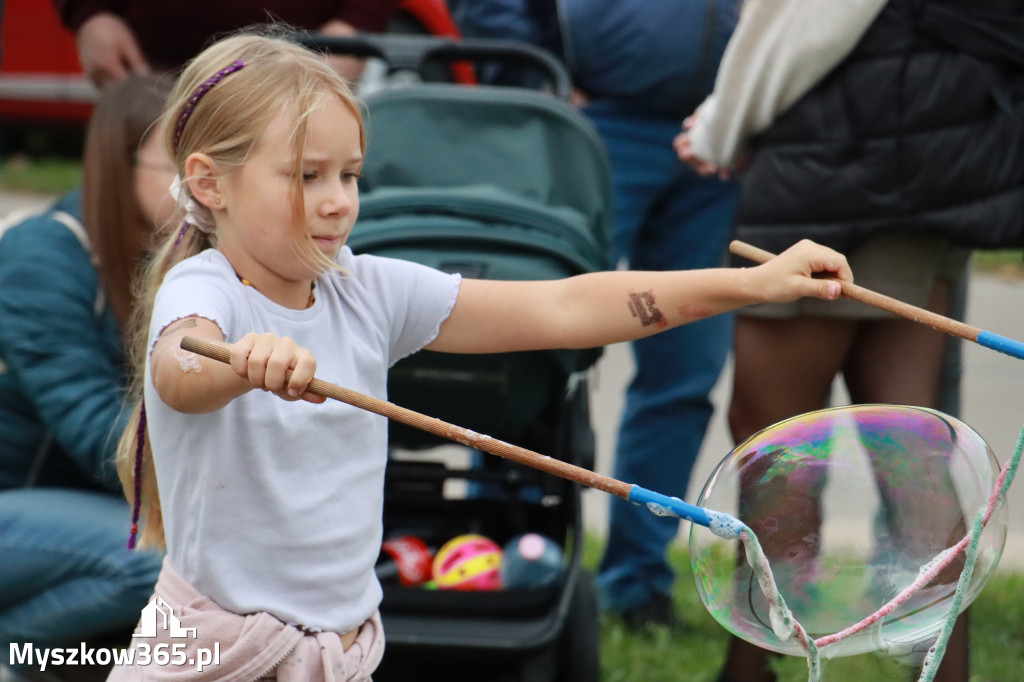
x: 779, y: 50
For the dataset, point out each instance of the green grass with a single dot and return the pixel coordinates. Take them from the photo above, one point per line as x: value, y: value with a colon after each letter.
x: 695, y: 653
x: 40, y: 176
x: 1007, y: 262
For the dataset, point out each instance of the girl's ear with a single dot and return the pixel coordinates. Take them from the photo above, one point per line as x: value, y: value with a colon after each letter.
x: 203, y: 180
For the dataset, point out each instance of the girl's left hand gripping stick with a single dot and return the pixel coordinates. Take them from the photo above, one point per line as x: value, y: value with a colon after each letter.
x: 657, y: 503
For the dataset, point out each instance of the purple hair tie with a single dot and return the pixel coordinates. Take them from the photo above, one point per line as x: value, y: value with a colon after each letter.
x: 181, y: 233
x: 140, y: 445
x: 190, y: 106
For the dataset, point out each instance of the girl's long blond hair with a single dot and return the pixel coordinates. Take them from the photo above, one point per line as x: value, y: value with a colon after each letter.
x: 224, y: 122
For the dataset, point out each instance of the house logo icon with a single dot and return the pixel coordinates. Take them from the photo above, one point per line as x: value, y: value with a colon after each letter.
x: 150, y: 617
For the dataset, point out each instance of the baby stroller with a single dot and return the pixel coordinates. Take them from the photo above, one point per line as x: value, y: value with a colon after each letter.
x: 499, y: 183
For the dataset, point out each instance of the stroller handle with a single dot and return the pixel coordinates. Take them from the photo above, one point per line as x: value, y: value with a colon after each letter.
x: 658, y: 504
x: 412, y: 52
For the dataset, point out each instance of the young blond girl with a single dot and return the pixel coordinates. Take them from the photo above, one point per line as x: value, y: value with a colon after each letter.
x: 270, y: 505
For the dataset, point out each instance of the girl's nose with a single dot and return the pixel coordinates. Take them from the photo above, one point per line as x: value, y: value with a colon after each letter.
x: 340, y: 199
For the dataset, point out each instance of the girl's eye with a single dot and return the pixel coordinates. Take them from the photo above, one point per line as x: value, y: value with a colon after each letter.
x: 309, y: 176
x: 351, y: 176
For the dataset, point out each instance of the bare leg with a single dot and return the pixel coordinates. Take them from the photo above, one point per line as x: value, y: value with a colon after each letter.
x: 897, y: 361
x: 900, y: 362
x: 784, y: 367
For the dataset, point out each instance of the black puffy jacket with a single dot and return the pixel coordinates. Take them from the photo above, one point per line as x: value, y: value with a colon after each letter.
x: 921, y: 128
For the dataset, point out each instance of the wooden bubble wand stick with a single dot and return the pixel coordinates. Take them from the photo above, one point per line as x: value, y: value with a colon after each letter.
x: 719, y: 523
x: 657, y: 503
x: 910, y: 312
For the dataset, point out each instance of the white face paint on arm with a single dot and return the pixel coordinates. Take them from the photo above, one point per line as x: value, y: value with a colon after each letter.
x: 187, y: 361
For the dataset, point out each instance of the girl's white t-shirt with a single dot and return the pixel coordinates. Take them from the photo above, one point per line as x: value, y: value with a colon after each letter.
x: 272, y: 505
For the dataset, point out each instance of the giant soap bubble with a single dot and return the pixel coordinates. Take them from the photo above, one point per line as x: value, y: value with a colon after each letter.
x: 848, y: 505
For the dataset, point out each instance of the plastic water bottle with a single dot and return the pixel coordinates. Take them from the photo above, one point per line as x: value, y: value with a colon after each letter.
x: 531, y: 560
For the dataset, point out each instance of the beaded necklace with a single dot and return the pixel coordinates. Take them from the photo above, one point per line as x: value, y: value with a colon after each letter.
x: 309, y: 301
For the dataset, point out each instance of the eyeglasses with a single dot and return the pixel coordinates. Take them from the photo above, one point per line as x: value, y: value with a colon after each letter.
x: 155, y: 165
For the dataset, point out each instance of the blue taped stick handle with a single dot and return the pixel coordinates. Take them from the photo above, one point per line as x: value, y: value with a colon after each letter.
x: 659, y: 504
x: 1001, y: 344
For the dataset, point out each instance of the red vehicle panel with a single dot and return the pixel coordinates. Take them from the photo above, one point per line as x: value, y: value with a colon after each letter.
x: 40, y: 77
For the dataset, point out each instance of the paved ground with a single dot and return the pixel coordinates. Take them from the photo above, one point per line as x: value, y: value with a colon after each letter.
x: 13, y: 202
x: 993, y: 397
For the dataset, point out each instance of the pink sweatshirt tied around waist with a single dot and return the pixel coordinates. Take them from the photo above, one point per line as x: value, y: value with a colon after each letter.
x: 250, y: 647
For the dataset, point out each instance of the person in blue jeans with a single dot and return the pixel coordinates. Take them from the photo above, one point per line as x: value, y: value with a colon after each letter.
x: 638, y: 68
x: 66, y: 575
x: 665, y: 218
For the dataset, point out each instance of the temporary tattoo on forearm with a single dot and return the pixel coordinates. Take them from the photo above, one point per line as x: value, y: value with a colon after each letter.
x: 187, y: 323
x: 642, y: 307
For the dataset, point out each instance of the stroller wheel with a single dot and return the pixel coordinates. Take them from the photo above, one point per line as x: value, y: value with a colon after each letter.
x: 580, y: 641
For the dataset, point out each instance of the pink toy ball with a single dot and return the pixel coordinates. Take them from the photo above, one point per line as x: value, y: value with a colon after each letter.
x: 468, y: 562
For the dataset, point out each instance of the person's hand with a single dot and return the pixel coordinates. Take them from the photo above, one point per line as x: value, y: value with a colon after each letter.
x: 796, y: 273
x: 350, y: 68
x: 264, y: 360
x: 108, y: 50
x: 684, y: 150
x: 578, y: 98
